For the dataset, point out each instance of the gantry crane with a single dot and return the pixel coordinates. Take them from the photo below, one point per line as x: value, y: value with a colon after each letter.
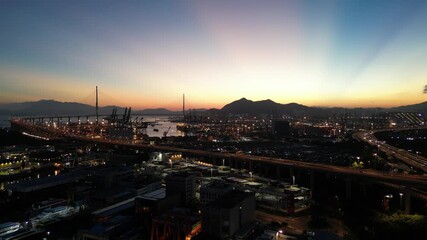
x: 165, y: 133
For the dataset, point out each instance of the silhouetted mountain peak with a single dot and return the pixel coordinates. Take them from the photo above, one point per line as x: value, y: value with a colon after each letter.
x: 243, y: 99
x: 268, y: 106
x: 269, y: 101
x: 50, y: 107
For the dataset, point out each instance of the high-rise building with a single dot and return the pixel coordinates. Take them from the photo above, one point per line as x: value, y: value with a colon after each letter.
x: 183, y: 184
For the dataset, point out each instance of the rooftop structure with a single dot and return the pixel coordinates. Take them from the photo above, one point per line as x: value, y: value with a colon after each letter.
x: 213, y: 191
x: 48, y: 182
x: 223, y: 217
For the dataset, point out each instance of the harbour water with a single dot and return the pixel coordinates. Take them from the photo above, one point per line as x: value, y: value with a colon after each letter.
x: 160, y: 123
x: 4, y: 121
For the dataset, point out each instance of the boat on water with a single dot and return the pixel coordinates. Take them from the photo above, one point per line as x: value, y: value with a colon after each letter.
x: 189, y: 128
x: 9, y: 227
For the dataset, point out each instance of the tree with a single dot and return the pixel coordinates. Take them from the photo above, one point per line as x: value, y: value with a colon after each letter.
x: 358, y: 164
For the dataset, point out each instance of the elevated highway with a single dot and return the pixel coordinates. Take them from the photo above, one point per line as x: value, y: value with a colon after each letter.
x: 402, y: 155
x: 419, y: 181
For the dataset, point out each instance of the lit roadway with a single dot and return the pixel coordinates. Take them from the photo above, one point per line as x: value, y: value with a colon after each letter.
x: 406, y: 157
x: 401, y: 179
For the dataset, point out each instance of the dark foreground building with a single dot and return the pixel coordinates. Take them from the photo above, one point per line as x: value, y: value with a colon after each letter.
x: 223, y: 217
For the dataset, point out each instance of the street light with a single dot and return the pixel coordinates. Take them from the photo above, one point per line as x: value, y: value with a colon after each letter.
x: 277, y: 233
x: 223, y: 162
x: 170, y: 161
x: 401, y: 195
x: 250, y: 173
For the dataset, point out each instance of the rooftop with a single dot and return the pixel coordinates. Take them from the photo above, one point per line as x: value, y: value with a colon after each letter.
x: 155, y: 195
x: 216, y: 185
x: 115, y: 208
x: 180, y: 174
x: 47, y: 182
x: 113, y: 223
x: 229, y: 200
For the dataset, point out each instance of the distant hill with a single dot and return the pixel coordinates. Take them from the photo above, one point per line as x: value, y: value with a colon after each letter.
x: 241, y: 106
x: 47, y: 107
x: 52, y: 108
x: 420, y: 107
x: 245, y: 106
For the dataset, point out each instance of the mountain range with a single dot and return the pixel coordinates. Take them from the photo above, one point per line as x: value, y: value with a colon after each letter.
x: 52, y: 108
x: 241, y: 106
x: 245, y: 106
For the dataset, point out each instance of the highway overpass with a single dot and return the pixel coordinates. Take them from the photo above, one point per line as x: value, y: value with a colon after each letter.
x: 365, y: 174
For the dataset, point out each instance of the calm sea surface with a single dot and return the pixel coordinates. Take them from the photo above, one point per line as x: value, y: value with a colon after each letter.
x: 161, y: 123
x: 4, y: 121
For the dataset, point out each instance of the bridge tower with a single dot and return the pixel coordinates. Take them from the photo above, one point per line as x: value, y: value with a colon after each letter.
x: 183, y: 106
x: 96, y: 105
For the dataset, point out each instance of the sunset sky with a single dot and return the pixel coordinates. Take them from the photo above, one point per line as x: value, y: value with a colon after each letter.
x: 146, y: 54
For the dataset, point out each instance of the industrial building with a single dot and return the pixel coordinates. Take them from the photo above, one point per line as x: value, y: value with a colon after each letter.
x: 223, y: 217
x: 212, y: 191
x: 183, y: 184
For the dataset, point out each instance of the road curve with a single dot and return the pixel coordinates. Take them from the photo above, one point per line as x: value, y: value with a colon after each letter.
x: 402, y: 155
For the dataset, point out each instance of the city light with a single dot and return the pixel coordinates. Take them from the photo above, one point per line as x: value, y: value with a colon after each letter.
x: 115, y: 116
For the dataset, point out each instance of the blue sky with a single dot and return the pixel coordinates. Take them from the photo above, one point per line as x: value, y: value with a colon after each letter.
x: 147, y: 53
